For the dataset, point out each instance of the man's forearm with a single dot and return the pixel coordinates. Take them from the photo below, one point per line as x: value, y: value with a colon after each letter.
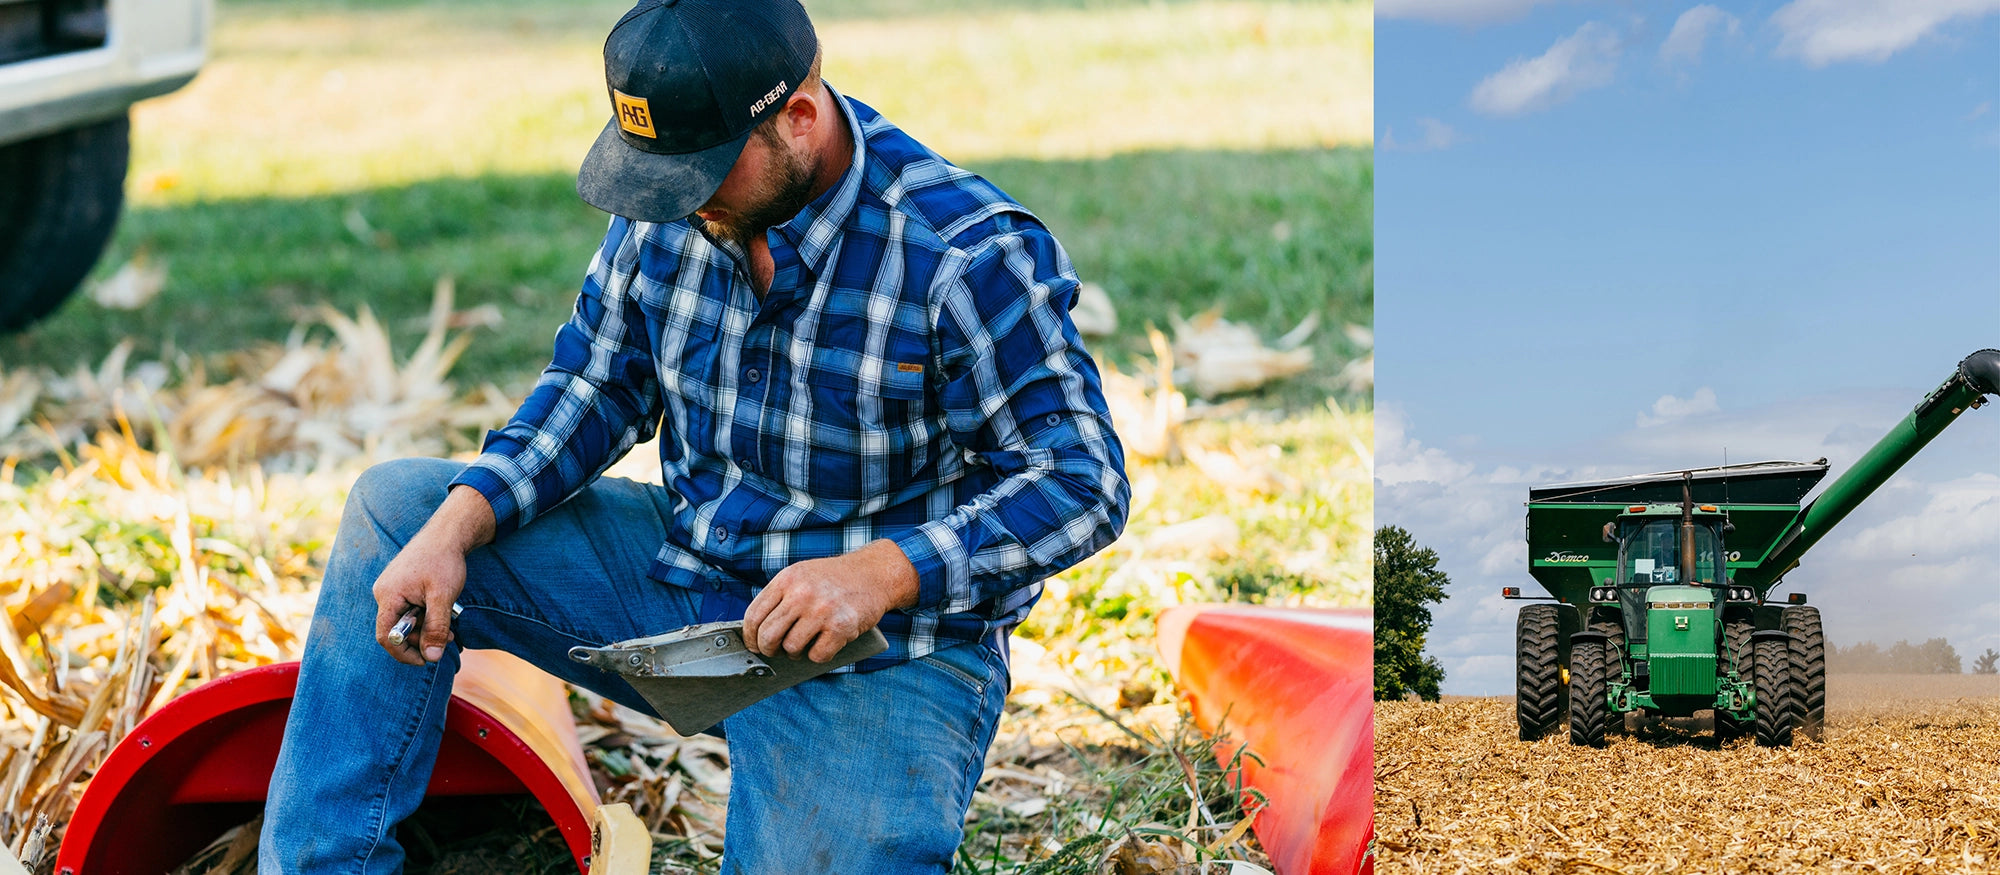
x: 463, y: 522
x: 888, y: 565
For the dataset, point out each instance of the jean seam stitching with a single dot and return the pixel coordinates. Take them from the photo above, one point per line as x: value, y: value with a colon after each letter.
x: 379, y: 808
x: 539, y: 621
x: 976, y: 685
x: 975, y: 754
x: 379, y: 805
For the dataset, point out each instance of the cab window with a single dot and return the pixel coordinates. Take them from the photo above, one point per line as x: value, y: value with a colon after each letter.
x: 1652, y: 554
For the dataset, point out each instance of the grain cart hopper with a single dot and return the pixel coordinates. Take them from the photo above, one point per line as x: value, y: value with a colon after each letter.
x: 1659, y: 586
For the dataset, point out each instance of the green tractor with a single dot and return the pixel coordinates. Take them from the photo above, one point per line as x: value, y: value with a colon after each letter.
x: 1660, y: 587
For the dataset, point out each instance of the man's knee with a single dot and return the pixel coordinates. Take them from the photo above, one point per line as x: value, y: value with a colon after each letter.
x: 396, y: 497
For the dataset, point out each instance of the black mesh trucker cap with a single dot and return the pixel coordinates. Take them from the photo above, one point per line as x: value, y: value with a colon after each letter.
x: 688, y: 80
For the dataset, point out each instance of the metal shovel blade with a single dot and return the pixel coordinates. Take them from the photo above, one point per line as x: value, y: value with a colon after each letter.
x: 696, y: 676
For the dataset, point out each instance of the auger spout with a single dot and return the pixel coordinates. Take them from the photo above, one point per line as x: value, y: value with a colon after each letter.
x: 1975, y: 378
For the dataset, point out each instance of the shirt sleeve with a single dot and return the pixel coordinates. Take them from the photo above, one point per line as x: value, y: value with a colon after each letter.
x: 1023, y: 395
x: 597, y: 398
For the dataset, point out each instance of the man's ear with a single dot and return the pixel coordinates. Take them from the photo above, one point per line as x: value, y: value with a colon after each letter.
x: 801, y: 115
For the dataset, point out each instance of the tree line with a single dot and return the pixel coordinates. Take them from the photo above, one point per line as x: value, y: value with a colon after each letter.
x: 1934, y: 656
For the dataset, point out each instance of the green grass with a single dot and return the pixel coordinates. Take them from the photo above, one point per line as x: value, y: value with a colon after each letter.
x: 1187, y: 153
x: 309, y: 99
x: 1163, y: 232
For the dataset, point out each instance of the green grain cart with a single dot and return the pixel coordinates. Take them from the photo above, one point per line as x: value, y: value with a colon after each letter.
x: 1659, y: 584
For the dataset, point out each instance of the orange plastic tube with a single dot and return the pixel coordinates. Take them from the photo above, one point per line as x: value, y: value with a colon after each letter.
x: 1295, y: 686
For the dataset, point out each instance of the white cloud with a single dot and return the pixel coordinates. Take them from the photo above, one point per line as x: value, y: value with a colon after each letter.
x: 1691, y: 32
x: 1399, y: 460
x: 1839, y: 427
x: 1432, y: 136
x: 1670, y: 408
x: 1456, y: 11
x: 1822, y: 32
x: 1956, y: 518
x: 1473, y: 519
x: 1581, y: 61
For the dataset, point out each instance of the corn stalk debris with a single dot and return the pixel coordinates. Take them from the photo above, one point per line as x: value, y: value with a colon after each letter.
x: 1906, y: 781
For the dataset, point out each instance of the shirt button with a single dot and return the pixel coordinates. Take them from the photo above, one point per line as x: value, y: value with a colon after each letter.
x: 746, y: 463
x: 721, y: 534
x: 753, y: 375
x: 1052, y: 419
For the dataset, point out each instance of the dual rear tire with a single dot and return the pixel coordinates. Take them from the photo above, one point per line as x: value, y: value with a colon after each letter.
x: 1777, y: 705
x: 1543, y: 698
x: 1777, y: 679
x: 1589, y: 709
x: 1808, y: 658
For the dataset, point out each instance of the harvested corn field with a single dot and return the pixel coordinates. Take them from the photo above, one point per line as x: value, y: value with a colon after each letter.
x: 1907, y: 780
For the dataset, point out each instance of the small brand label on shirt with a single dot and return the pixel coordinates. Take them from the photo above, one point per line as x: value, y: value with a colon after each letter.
x: 910, y: 368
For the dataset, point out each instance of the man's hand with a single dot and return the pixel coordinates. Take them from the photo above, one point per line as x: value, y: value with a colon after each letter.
x: 429, y: 573
x: 427, y: 577
x: 814, y: 608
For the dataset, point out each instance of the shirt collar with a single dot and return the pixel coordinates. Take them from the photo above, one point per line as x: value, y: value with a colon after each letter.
x: 817, y: 227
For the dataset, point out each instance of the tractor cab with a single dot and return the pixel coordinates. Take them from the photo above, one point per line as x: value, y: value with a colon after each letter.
x: 1651, y: 543
x: 1668, y: 554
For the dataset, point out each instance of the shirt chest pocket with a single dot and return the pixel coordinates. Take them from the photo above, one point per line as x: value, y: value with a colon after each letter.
x: 870, y: 424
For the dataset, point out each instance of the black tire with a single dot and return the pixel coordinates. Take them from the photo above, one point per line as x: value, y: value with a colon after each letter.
x: 1588, y: 709
x: 59, y: 199
x: 1808, y: 668
x: 1614, y: 660
x: 1777, y: 697
x: 1539, y: 694
x: 1736, y: 641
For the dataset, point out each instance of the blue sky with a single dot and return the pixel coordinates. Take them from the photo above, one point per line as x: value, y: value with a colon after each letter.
x: 1619, y: 237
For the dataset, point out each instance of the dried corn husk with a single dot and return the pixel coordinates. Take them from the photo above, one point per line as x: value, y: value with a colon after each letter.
x: 132, y: 285
x: 1146, y: 410
x: 1214, y: 356
x: 304, y: 404
x: 1094, y: 314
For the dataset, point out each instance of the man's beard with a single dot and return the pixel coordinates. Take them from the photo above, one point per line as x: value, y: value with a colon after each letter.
x: 785, y: 189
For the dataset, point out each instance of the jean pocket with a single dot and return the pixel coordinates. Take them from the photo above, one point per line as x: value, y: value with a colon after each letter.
x: 969, y: 664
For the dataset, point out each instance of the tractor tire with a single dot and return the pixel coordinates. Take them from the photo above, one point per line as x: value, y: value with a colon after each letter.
x: 1777, y: 696
x: 1736, y: 638
x: 1808, y: 668
x: 59, y: 199
x: 1589, y: 712
x: 1539, y: 694
x: 1614, y: 661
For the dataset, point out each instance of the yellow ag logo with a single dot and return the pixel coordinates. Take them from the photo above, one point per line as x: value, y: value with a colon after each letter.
x: 1680, y: 624
x: 633, y: 114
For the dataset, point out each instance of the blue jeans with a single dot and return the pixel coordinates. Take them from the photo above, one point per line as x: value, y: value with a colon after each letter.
x: 853, y: 773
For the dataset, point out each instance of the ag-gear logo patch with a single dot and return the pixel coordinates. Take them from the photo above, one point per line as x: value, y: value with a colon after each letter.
x: 634, y: 115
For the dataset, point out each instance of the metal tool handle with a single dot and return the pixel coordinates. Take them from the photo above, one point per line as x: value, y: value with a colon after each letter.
x: 399, y: 634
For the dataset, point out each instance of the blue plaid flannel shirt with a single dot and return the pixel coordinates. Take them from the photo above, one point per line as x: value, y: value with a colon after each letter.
x: 911, y: 374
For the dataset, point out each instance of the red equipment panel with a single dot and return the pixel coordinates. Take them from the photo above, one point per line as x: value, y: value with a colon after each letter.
x: 203, y: 764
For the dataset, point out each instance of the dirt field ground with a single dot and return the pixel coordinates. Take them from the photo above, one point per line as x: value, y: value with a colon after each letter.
x: 1907, y: 780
